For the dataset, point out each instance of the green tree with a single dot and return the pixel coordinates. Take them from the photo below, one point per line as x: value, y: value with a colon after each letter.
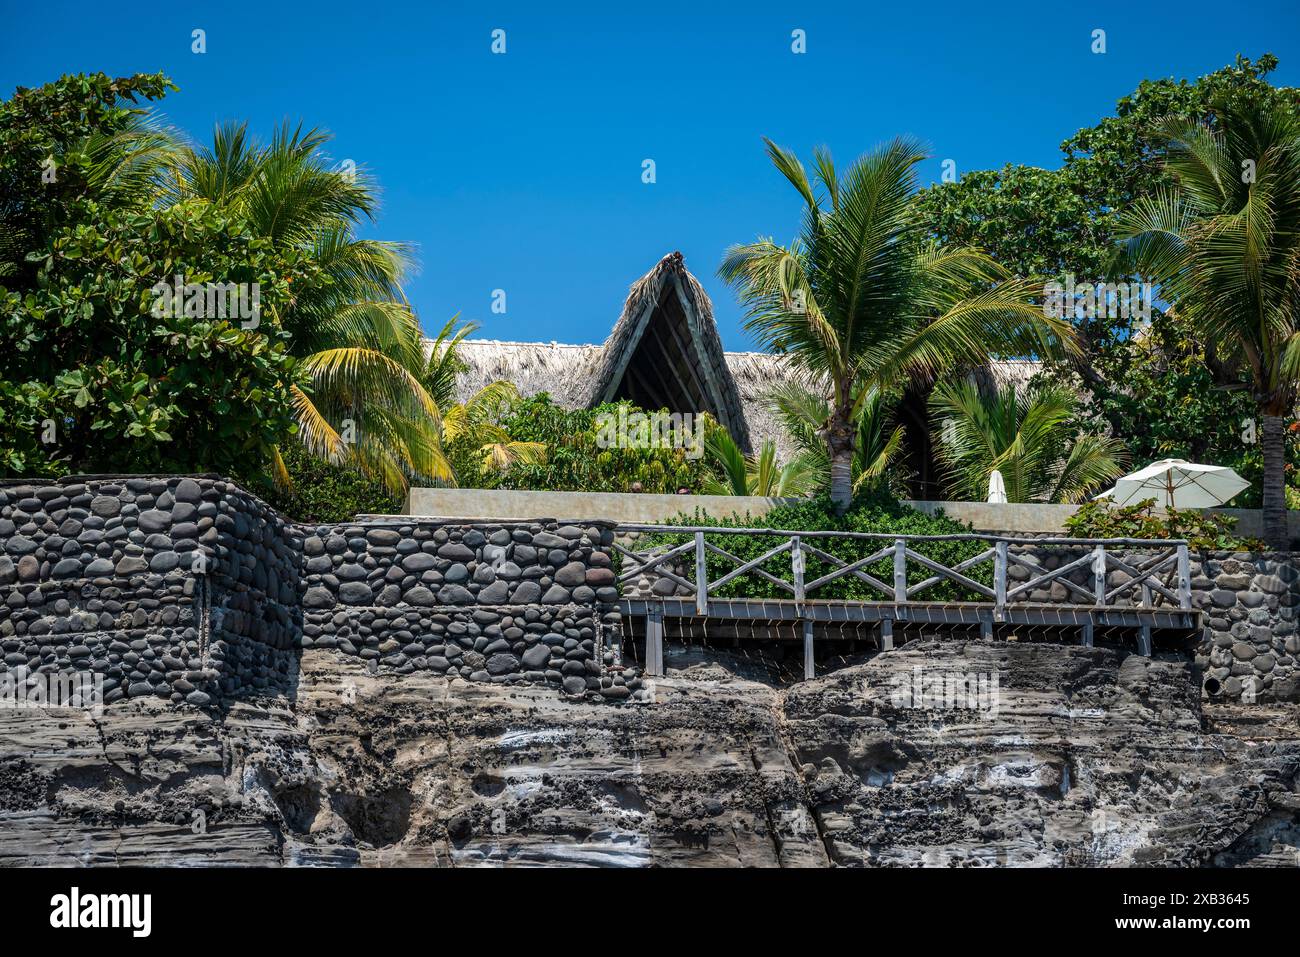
x: 119, y: 388
x: 861, y: 302
x: 359, y: 344
x: 759, y: 474
x: 1028, y: 437
x: 321, y: 492
x: 90, y: 378
x: 803, y: 410
x: 1224, y: 242
x: 70, y: 150
x: 579, y: 456
x: 474, y: 426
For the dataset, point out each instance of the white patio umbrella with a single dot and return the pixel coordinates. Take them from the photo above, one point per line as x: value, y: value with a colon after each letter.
x: 1176, y: 483
x: 997, y: 488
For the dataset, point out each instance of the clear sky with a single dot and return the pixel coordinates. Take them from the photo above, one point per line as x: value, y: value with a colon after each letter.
x: 523, y: 171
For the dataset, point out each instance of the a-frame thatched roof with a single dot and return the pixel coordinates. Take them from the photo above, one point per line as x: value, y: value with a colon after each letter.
x: 665, y: 352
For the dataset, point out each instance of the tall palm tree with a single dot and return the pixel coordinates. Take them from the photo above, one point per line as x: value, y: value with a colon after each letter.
x: 1027, y: 437
x: 802, y: 410
x: 358, y: 340
x: 1224, y: 244
x: 861, y: 301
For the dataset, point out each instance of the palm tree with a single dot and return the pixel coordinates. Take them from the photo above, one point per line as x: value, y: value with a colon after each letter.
x: 350, y: 325
x: 476, y: 422
x: 802, y: 409
x: 1028, y: 438
x: 862, y: 302
x: 759, y: 474
x: 1224, y: 244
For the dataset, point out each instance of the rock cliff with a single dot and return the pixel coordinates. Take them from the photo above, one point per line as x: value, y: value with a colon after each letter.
x: 936, y: 754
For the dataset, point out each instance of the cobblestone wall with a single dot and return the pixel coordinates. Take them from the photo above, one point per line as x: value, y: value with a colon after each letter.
x: 192, y: 589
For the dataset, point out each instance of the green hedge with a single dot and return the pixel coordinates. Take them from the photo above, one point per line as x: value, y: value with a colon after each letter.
x: 877, y: 514
x: 324, y: 493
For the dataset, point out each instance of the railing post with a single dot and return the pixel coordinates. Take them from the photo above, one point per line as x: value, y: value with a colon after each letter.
x: 796, y: 565
x: 1000, y: 581
x: 1184, y: 577
x: 900, y: 570
x: 1099, y: 573
x: 701, y: 577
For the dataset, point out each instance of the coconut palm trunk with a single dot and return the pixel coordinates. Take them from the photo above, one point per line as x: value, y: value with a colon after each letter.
x: 840, y: 441
x: 1273, y: 440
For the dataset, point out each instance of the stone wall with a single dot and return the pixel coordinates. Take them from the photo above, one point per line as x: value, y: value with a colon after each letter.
x: 1251, y: 644
x: 166, y: 586
x: 190, y: 588
x: 490, y: 602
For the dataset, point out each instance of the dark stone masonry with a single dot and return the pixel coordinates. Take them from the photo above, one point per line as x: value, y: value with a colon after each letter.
x: 191, y: 589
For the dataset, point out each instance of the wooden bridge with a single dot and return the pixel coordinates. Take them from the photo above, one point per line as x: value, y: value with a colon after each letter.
x: 1132, y: 588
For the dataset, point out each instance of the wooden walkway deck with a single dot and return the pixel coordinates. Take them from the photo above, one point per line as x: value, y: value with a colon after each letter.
x: 1152, y: 595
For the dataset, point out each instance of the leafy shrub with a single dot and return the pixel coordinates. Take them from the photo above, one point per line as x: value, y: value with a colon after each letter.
x: 575, y: 462
x: 324, y: 493
x: 1205, y: 531
x: 90, y: 379
x: 876, y: 513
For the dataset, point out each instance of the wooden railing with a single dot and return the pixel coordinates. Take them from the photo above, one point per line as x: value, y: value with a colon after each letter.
x: 1102, y: 555
x: 1158, y: 577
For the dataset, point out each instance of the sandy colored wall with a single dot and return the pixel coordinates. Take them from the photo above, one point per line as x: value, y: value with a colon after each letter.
x: 469, y: 503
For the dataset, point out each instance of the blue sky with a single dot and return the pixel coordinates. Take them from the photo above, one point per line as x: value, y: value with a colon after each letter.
x: 522, y: 171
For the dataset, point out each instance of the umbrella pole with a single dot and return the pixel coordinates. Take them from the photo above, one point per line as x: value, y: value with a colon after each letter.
x: 1169, y: 501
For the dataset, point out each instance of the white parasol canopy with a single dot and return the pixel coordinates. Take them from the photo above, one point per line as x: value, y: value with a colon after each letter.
x: 1176, y: 483
x: 997, y: 488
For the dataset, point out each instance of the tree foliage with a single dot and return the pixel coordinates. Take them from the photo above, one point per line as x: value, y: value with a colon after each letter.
x: 861, y: 302
x: 575, y: 459
x: 1028, y: 436
x: 90, y: 378
x: 1224, y: 243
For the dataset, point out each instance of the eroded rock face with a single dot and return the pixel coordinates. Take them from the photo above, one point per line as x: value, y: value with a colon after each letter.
x: 1076, y: 756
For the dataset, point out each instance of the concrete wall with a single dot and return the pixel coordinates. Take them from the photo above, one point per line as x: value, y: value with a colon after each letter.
x: 1050, y: 519
x: 469, y: 503
x: 473, y: 503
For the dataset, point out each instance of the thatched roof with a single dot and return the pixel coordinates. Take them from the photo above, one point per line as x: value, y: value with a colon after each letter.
x: 664, y: 352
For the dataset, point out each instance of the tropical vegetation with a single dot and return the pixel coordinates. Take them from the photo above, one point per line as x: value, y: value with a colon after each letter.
x: 891, y: 306
x: 1027, y: 436
x: 863, y: 302
x: 1224, y: 242
x: 1206, y: 531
